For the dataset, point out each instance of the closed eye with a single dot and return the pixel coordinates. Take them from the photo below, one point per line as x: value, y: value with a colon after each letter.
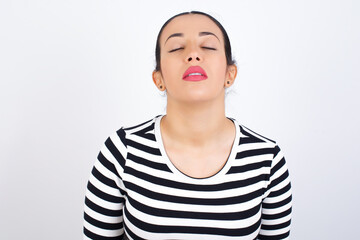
x: 209, y: 48
x: 176, y: 49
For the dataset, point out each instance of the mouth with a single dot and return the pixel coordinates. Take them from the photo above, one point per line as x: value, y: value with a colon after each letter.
x: 194, y: 73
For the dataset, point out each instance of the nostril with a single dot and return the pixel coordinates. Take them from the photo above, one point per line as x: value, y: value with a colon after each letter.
x: 197, y: 58
x: 189, y: 59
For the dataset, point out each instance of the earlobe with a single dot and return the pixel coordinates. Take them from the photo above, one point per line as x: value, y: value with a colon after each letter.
x: 158, y: 81
x: 230, y: 75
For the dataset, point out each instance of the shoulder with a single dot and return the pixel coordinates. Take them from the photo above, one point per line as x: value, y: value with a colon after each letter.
x: 250, y: 136
x: 137, y: 132
x: 140, y: 127
x: 255, y: 142
x: 140, y: 136
x: 254, y: 136
x: 255, y: 147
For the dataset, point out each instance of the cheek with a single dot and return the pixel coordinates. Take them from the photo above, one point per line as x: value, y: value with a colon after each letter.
x: 220, y: 69
x: 169, y: 68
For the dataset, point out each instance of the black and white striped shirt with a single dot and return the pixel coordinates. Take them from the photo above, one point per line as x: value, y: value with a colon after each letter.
x: 135, y: 192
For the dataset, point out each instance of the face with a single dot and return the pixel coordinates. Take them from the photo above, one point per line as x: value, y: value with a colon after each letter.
x: 193, y: 40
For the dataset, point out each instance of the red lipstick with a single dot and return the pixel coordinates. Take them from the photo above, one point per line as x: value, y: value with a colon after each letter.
x: 194, y: 73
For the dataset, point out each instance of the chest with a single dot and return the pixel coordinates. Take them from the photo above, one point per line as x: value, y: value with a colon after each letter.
x: 158, y: 207
x: 198, y: 163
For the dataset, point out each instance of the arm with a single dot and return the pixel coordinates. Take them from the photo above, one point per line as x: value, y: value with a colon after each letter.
x: 277, y: 201
x: 104, y: 198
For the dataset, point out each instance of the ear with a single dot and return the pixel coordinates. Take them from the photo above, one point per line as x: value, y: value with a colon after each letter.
x: 230, y: 75
x: 158, y: 80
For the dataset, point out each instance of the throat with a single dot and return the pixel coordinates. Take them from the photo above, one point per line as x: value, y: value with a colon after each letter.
x: 194, y: 132
x: 199, y: 155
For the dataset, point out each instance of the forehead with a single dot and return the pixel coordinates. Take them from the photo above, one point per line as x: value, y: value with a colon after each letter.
x: 190, y: 24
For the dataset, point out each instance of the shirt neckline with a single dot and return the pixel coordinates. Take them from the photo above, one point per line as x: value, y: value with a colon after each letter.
x: 182, y: 175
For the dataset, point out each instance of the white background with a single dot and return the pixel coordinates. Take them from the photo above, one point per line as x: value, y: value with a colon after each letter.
x: 74, y: 71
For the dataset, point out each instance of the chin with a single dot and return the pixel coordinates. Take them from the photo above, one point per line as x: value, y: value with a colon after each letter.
x: 198, y: 95
x: 201, y: 97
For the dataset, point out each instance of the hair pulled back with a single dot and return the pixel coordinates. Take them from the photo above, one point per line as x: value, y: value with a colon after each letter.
x: 229, y: 59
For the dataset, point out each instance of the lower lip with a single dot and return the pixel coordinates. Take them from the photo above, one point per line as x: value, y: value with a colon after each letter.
x: 195, y: 78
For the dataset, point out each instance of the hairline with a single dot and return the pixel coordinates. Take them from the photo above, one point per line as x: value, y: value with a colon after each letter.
x: 225, y: 37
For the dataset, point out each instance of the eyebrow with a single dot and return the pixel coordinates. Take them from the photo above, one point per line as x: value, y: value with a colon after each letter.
x: 182, y: 35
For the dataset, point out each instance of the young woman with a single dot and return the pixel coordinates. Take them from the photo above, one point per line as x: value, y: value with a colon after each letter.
x: 192, y: 173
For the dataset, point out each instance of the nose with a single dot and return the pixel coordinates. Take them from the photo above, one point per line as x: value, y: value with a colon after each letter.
x: 191, y: 58
x: 193, y: 55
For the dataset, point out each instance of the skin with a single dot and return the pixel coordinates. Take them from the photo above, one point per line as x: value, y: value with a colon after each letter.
x: 196, y: 134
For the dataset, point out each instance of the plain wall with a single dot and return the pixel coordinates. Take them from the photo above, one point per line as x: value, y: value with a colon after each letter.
x: 74, y: 71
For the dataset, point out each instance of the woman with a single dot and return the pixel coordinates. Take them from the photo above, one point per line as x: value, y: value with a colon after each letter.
x: 192, y: 173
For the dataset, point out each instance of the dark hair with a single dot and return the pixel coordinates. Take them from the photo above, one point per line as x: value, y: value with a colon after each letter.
x: 229, y: 59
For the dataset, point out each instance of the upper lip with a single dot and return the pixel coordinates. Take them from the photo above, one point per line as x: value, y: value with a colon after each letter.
x: 194, y: 69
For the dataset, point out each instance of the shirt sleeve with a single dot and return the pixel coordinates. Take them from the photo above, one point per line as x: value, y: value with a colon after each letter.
x: 104, y: 198
x: 277, y: 201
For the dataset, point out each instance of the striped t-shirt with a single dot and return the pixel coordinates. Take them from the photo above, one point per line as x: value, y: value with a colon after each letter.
x: 135, y: 192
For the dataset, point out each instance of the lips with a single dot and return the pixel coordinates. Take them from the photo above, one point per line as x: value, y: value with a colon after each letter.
x: 194, y: 73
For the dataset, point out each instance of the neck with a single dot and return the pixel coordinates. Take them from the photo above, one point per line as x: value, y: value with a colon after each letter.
x: 195, y: 124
